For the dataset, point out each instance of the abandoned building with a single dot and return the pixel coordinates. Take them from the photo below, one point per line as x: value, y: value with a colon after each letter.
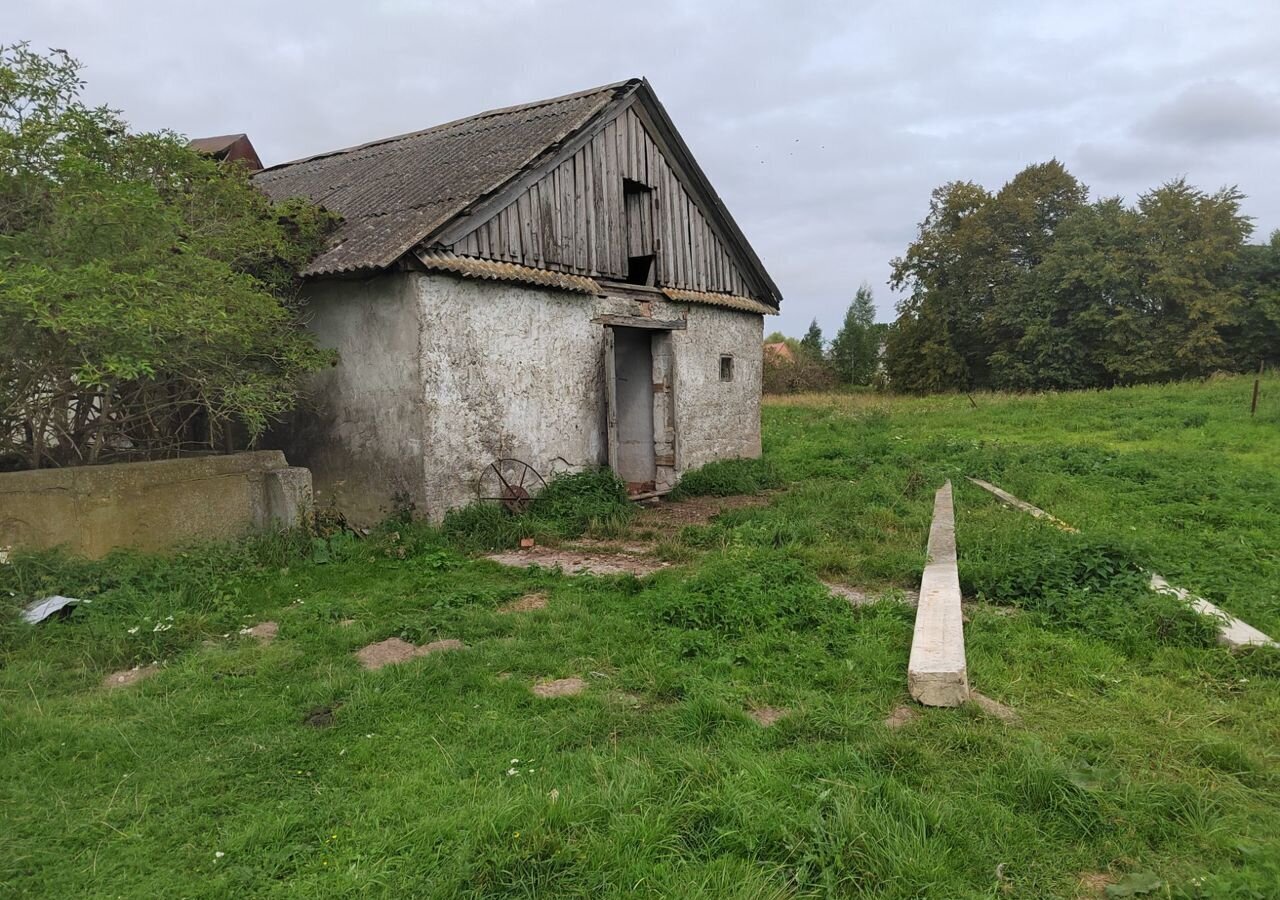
x: 230, y: 148
x: 528, y: 291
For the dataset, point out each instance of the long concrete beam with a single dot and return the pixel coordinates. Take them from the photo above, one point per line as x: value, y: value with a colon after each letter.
x: 1231, y: 631
x: 1023, y: 505
x: 936, y: 671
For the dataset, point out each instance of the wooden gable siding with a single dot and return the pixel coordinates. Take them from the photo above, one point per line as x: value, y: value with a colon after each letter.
x: 575, y: 218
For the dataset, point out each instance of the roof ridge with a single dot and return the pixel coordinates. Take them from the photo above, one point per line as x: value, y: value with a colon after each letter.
x: 615, y: 86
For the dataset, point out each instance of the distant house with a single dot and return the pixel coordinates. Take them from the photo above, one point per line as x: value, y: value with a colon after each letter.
x: 779, y: 351
x: 555, y: 282
x: 229, y: 148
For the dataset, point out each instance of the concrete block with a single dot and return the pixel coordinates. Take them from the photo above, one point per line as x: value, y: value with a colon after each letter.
x: 937, y: 674
x: 288, y: 502
x: 1231, y: 631
x: 90, y: 510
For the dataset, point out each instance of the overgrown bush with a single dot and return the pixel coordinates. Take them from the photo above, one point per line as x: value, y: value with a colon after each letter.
x: 570, y: 506
x: 726, y: 477
x: 792, y: 376
x: 146, y: 291
x: 1091, y: 584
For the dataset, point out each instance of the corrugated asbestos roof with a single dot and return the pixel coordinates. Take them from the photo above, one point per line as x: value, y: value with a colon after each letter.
x: 470, y: 267
x: 393, y: 193
x: 728, y: 301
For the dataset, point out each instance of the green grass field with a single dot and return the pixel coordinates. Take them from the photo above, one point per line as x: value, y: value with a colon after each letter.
x: 1143, y: 749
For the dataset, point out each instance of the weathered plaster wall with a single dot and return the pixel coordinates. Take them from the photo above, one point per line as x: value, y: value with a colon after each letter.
x: 90, y: 510
x: 507, y: 371
x: 439, y: 376
x: 361, y: 429
x: 717, y: 419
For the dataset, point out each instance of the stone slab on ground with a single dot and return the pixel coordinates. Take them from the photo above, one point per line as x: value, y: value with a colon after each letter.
x: 559, y: 687
x: 1231, y: 631
x: 994, y: 708
x: 767, y: 715
x: 264, y: 631
x: 527, y: 603
x: 937, y: 674
x: 901, y: 716
x: 394, y: 650
x: 126, y: 677
x: 573, y: 562
x: 860, y: 597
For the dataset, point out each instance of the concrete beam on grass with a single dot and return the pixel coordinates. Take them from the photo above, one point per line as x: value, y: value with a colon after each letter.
x: 936, y: 671
x: 1231, y: 631
x: 1009, y: 499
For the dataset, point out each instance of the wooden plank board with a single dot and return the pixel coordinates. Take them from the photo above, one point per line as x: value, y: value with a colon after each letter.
x: 617, y: 262
x: 579, y: 216
x: 524, y: 221
x: 538, y: 257
x: 589, y: 203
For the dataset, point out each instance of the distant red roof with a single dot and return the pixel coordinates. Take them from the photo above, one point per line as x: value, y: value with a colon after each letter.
x: 779, y: 350
x: 229, y: 148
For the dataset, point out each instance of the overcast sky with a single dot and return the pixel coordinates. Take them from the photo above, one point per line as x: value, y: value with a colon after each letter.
x: 824, y: 126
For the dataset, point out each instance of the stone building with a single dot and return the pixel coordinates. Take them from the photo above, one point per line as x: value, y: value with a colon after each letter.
x: 556, y: 283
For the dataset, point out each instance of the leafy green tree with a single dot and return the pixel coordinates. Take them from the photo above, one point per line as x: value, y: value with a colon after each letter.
x: 948, y: 273
x: 1033, y: 287
x: 1254, y: 336
x: 856, y: 349
x: 147, y: 293
x: 812, y: 342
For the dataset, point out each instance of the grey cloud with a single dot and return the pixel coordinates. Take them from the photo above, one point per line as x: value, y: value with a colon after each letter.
x: 1214, y: 112
x: 824, y: 125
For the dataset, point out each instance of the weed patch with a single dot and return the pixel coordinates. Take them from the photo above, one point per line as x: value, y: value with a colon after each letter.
x: 728, y: 477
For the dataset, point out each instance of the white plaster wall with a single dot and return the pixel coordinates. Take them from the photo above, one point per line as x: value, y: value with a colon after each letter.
x: 360, y: 430
x: 717, y: 419
x: 439, y: 376
x: 507, y: 371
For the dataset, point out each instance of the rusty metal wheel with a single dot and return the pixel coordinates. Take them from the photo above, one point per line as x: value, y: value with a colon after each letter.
x: 511, y: 482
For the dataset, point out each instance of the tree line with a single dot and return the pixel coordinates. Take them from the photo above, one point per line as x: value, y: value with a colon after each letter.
x: 811, y: 363
x: 1035, y: 287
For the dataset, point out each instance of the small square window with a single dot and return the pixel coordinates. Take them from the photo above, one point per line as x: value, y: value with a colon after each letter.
x: 726, y: 368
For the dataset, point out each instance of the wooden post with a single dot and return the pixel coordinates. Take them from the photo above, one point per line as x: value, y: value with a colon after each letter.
x: 1257, y: 383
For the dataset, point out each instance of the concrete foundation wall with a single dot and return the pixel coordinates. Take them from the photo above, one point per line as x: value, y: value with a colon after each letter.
x: 90, y: 510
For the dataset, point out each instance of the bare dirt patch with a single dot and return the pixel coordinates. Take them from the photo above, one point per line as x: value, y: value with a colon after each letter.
x: 126, y: 677
x: 767, y: 715
x: 1094, y: 884
x: 668, y: 517
x: 321, y: 716
x: 560, y: 687
x: 264, y: 631
x: 901, y: 716
x: 862, y: 597
x: 574, y: 562
x: 394, y: 650
x: 527, y: 603
x: 994, y: 708
x: 346, y: 623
